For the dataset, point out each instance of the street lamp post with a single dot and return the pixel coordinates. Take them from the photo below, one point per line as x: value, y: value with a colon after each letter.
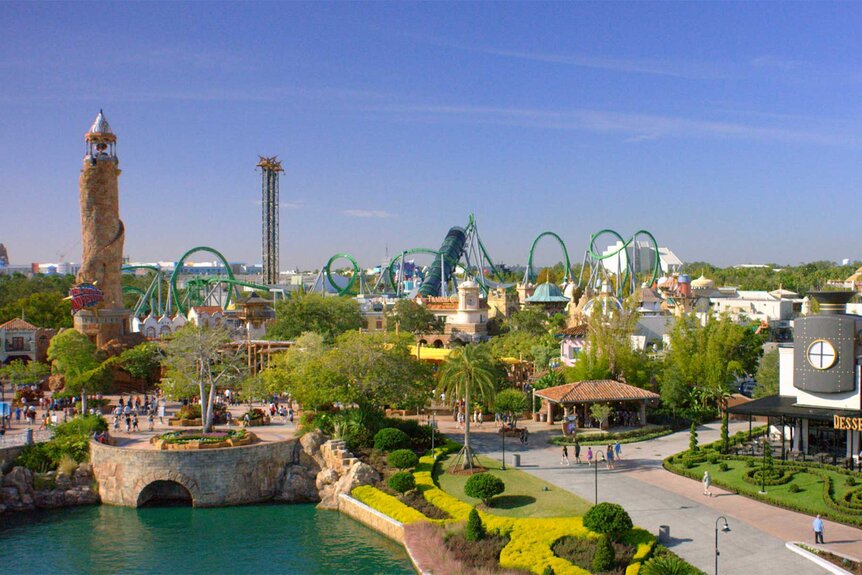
x: 433, y: 428
x: 503, y: 430
x: 726, y: 529
x: 598, y: 453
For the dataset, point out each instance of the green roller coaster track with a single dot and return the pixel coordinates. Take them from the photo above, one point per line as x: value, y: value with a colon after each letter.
x: 596, y: 256
x: 229, y: 279
x: 348, y: 289
x: 392, y: 270
x: 529, y: 276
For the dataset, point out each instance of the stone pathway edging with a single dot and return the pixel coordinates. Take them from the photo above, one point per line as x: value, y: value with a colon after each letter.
x: 819, y: 561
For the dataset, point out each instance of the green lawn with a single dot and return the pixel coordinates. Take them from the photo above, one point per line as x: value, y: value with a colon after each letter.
x: 525, y: 495
x: 810, y: 498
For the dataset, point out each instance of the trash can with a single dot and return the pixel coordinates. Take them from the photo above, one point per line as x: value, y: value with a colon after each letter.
x: 28, y: 436
x: 664, y: 534
x: 516, y: 459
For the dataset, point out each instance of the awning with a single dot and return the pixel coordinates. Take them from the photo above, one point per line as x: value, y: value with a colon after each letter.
x: 786, y: 406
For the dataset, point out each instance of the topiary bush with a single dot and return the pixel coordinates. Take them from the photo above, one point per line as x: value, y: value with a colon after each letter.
x: 608, y: 518
x: 402, y: 459
x: 605, y: 557
x: 484, y: 486
x: 402, y: 482
x: 390, y: 439
x: 692, y: 438
x: 794, y: 488
x: 667, y: 565
x: 723, y: 466
x: 475, y: 530
x: 548, y: 570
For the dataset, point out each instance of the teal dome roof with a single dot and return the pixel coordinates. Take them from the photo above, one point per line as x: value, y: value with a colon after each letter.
x: 547, y: 293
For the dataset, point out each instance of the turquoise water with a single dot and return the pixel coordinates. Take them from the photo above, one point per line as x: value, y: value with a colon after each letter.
x: 255, y: 539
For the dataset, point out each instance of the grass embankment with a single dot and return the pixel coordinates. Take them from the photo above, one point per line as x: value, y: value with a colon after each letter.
x: 525, y: 496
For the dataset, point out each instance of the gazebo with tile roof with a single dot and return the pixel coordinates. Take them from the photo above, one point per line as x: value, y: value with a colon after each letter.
x: 578, y: 396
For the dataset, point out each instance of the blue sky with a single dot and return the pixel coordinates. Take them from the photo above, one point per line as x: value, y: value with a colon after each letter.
x: 729, y: 130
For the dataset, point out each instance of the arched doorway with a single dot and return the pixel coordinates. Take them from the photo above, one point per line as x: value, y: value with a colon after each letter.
x: 165, y: 493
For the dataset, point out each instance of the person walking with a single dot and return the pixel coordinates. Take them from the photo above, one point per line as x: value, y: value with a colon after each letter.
x: 564, y: 460
x: 618, y: 450
x: 577, y: 452
x: 817, y: 526
x: 135, y: 421
x: 609, y: 458
x: 589, y: 455
x: 707, y: 481
x: 150, y: 419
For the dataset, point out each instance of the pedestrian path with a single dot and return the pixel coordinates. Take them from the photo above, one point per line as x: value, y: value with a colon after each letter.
x: 654, y: 497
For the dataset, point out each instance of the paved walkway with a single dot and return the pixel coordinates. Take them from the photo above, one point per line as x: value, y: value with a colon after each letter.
x: 656, y: 497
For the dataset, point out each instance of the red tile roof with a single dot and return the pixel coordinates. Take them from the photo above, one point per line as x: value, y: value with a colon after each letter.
x: 18, y: 324
x: 208, y: 309
x: 595, y: 391
x: 578, y: 330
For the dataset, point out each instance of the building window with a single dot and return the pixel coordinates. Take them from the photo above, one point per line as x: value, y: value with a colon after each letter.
x: 379, y: 324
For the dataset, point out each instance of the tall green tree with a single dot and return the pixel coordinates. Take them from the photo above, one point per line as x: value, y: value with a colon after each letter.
x: 201, y: 357
x: 767, y: 375
x: 142, y: 362
x: 327, y: 316
x: 511, y: 402
x: 468, y: 372
x: 412, y: 317
x: 74, y: 355
x: 704, y: 359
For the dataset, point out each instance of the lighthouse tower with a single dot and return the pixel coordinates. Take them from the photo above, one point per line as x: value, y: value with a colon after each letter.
x: 102, y: 236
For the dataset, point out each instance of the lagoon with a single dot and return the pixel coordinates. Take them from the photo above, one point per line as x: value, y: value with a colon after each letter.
x: 254, y: 539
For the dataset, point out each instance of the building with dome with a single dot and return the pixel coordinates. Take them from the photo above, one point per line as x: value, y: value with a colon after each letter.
x: 549, y: 297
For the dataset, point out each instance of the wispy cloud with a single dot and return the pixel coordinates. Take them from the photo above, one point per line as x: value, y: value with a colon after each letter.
x: 783, y: 64
x: 368, y: 214
x: 635, y: 127
x: 630, y: 65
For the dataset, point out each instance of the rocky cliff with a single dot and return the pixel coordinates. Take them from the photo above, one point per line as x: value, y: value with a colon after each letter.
x: 23, y: 490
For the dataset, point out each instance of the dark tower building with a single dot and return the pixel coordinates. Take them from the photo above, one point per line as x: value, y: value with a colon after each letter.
x: 270, y: 171
x: 4, y: 256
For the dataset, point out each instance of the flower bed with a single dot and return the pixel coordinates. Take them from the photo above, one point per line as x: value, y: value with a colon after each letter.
x: 186, y: 440
x: 530, y: 539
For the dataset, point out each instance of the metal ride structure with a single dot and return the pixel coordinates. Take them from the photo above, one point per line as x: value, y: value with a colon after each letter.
x: 462, y: 248
x: 199, y: 290
x: 270, y: 170
x: 529, y: 275
x: 149, y: 300
x: 627, y: 255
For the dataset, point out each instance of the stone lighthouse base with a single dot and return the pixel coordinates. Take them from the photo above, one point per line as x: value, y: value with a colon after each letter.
x: 103, y: 325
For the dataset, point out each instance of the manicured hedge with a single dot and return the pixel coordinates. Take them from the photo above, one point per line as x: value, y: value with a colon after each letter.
x: 633, y: 436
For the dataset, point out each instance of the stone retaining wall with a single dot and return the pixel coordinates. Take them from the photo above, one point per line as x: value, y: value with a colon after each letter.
x: 371, y: 517
x: 213, y: 477
x: 8, y: 455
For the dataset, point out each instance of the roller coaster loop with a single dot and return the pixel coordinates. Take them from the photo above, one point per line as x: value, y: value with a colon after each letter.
x: 393, y: 270
x: 529, y: 276
x: 596, y: 256
x: 348, y: 289
x: 178, y: 270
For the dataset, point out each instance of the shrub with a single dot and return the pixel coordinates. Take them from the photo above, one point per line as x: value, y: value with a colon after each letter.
x: 750, y: 463
x: 725, y: 439
x: 402, y: 459
x: 475, y: 530
x: 713, y: 459
x: 389, y: 439
x: 190, y: 411
x: 667, y: 565
x: 484, y: 486
x: 402, y: 482
x: 794, y: 488
x: 67, y: 465
x: 604, y: 558
x: 723, y: 466
x: 692, y: 438
x: 35, y: 458
x: 87, y: 425
x: 608, y: 518
x: 548, y: 571
x: 851, y: 481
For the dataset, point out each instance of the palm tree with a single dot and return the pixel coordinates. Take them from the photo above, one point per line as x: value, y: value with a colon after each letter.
x: 468, y: 369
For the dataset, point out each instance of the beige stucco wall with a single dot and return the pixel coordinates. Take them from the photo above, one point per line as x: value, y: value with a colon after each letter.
x: 371, y: 518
